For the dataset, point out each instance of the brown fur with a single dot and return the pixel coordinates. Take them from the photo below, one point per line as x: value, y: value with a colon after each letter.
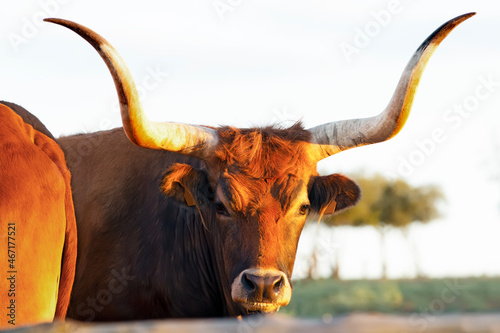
x: 336, y: 188
x: 263, y: 153
x: 263, y: 160
x: 261, y: 171
x: 181, y: 178
x: 133, y: 216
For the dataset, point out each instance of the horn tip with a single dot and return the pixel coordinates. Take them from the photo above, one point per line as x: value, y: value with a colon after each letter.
x: 59, y: 21
x: 459, y: 19
x: 470, y: 14
x: 51, y: 19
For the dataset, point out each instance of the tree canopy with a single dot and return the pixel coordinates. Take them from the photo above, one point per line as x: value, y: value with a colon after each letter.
x: 386, y: 202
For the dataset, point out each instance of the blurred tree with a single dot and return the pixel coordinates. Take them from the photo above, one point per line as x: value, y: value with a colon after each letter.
x: 389, y: 203
x: 400, y: 205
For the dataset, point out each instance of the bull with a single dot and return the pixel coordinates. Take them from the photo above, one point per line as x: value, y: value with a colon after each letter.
x: 178, y: 220
x: 37, y: 220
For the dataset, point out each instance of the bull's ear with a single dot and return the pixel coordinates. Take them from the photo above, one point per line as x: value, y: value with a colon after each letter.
x: 333, y: 193
x: 186, y: 184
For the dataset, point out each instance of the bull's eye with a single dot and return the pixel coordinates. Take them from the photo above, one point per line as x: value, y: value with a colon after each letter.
x: 221, y: 209
x: 304, y: 209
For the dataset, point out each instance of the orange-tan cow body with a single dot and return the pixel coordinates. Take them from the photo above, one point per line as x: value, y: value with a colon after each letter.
x: 37, y: 222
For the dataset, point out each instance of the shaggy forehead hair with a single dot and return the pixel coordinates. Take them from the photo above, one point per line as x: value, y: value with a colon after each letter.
x: 264, y: 153
x: 268, y: 161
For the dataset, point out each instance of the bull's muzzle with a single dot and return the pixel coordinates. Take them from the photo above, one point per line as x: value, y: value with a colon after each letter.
x: 261, y: 290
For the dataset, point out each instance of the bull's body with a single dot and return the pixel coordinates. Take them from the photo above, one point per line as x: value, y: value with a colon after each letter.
x: 168, y: 265
x: 38, y: 228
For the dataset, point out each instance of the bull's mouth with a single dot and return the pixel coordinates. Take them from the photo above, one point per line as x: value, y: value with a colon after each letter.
x: 261, y: 308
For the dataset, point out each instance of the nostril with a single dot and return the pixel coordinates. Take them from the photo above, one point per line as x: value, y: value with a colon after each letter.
x: 278, y: 285
x: 248, y: 284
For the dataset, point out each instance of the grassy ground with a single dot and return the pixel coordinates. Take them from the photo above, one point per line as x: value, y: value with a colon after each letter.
x: 432, y: 296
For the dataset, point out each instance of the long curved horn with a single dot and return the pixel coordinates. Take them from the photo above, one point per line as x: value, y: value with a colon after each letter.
x: 331, y: 138
x: 198, y: 141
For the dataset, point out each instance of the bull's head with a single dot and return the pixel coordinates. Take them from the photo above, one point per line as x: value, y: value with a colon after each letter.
x: 259, y: 185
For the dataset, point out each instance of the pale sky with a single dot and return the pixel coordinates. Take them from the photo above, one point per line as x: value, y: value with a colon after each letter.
x: 248, y: 63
